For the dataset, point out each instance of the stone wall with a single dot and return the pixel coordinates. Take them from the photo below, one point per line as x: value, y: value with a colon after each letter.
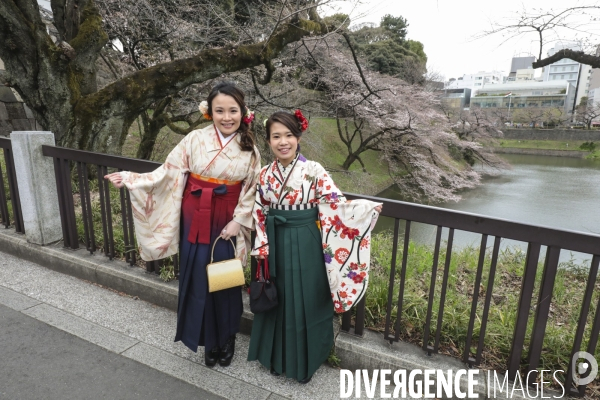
x: 14, y: 114
x: 552, y: 134
x: 541, y: 152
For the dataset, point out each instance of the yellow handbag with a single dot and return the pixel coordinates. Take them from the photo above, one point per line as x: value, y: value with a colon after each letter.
x: 224, y: 274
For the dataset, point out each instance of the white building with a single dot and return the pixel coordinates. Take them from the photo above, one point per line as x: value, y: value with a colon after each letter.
x: 527, y: 94
x: 594, y: 96
x: 476, y: 82
x: 566, y: 69
x: 527, y: 74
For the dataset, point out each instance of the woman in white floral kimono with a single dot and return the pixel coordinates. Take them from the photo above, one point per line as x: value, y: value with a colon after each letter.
x: 203, y: 191
x: 296, y: 337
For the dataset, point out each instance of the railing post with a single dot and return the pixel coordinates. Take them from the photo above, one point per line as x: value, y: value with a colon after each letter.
x: 543, y: 308
x: 528, y: 282
x: 37, y: 186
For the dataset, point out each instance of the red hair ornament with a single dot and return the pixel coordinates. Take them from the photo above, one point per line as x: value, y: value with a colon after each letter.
x: 303, y: 121
x: 248, y: 117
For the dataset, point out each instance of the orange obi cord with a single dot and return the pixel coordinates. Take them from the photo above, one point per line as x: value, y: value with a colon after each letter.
x: 210, y: 204
x: 214, y: 180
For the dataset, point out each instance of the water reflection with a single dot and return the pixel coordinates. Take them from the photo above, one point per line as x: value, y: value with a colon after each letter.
x: 557, y: 192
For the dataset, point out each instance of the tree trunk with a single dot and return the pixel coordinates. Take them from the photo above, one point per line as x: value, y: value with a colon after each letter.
x: 57, y: 81
x: 349, y: 161
x: 148, y: 135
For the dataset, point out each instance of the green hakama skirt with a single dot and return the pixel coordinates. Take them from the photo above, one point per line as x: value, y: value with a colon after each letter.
x: 295, y: 338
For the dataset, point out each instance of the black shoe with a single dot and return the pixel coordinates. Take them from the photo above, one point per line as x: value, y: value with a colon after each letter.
x: 211, y: 357
x: 305, y: 380
x: 274, y: 373
x: 227, y: 352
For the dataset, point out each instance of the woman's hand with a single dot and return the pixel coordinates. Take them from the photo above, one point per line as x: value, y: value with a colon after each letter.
x: 230, y: 230
x: 378, y: 208
x: 116, y: 179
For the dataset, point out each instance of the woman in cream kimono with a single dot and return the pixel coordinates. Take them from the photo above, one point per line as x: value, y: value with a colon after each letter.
x: 296, y: 337
x: 203, y: 191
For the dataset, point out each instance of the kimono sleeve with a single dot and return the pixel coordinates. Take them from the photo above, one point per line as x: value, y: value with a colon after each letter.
x: 260, y: 213
x: 177, y: 163
x: 346, y: 232
x: 326, y: 190
x: 156, y: 203
x: 243, y: 211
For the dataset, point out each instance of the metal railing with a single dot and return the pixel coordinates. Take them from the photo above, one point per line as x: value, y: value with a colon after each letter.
x: 77, y: 165
x: 554, y: 239
x: 68, y: 162
x: 13, y: 189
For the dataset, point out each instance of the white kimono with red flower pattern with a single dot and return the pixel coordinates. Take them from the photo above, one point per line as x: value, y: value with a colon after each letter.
x: 346, y: 231
x: 346, y: 244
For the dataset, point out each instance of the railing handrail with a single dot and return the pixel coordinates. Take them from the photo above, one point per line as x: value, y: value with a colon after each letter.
x: 108, y: 160
x: 5, y: 143
x: 464, y: 221
x: 483, y: 224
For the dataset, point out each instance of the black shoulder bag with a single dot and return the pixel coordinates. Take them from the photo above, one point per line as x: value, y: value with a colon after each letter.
x: 263, y: 295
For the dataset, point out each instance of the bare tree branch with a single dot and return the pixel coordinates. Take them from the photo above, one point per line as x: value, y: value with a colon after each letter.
x: 355, y: 58
x: 578, y: 56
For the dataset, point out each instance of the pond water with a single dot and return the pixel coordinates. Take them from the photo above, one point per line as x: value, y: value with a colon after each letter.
x: 557, y: 192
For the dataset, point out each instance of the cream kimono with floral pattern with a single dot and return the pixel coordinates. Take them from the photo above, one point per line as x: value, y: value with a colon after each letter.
x: 345, y: 227
x: 156, y: 196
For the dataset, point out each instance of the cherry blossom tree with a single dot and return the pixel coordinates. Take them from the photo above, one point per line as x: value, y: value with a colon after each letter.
x: 58, y: 80
x: 588, y: 112
x: 403, y: 122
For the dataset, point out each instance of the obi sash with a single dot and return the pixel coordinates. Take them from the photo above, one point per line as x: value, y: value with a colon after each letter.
x: 212, y: 202
x: 285, y: 218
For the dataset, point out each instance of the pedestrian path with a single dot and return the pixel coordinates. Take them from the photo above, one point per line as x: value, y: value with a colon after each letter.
x: 123, y: 336
x: 43, y: 362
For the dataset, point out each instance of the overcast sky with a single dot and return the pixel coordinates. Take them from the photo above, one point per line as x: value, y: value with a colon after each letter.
x: 447, y: 27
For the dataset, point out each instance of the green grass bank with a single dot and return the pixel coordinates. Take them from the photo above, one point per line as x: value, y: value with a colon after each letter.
x: 564, y: 310
x: 320, y: 143
x: 566, y: 148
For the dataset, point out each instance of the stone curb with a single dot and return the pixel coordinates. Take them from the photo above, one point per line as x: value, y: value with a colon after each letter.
x: 540, y: 152
x: 371, y: 352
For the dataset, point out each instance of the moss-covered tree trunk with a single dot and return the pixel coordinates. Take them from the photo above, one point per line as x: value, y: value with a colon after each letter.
x: 58, y: 80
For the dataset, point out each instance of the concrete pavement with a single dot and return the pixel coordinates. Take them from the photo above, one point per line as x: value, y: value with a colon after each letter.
x: 40, y: 361
x: 51, y: 322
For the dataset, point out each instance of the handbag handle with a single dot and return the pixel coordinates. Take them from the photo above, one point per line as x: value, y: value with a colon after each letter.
x: 212, y: 253
x: 267, y: 275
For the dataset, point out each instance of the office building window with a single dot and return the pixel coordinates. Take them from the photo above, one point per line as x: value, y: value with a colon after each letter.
x: 562, y: 77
